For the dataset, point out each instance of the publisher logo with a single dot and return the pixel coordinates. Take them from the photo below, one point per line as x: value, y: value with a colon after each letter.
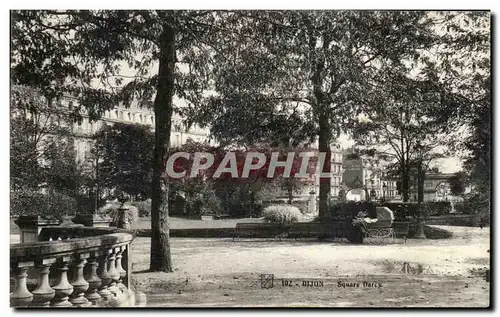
x: 267, y: 280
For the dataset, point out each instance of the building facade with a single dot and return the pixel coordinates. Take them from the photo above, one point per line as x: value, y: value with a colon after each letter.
x: 437, y: 187
x: 362, y: 175
x: 86, y: 128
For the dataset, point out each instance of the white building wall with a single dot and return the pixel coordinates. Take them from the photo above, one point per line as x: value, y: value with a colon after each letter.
x: 133, y: 115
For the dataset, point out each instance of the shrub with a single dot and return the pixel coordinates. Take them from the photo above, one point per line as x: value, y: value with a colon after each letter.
x: 51, y: 205
x: 345, y: 211
x: 282, y: 213
x: 144, y: 207
x: 456, y: 220
x: 205, y: 202
x: 403, y: 211
x: 430, y: 232
x: 436, y: 208
x: 478, y: 204
x: 237, y: 200
x: 86, y: 204
x: 132, y: 214
x: 459, y: 207
x: 109, y: 210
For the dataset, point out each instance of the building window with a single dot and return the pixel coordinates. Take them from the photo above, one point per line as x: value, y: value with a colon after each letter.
x: 128, y: 115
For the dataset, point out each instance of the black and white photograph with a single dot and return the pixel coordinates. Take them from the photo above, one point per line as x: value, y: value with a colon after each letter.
x: 244, y: 158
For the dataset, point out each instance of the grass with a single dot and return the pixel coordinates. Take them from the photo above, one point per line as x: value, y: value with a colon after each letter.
x: 183, y: 223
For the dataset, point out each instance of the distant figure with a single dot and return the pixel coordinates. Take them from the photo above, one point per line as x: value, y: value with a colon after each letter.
x: 481, y: 223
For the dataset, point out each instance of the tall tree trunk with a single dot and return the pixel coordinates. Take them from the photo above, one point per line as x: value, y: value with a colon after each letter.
x: 420, y: 185
x: 160, y: 241
x: 324, y: 147
x: 406, y: 183
x: 289, y: 188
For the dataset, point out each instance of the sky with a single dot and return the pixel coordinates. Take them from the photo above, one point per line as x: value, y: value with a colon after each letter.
x: 446, y: 165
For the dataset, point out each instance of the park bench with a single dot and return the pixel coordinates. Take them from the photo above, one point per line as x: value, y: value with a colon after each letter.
x: 338, y: 229
x: 259, y: 230
x: 401, y: 229
x: 306, y: 230
x: 320, y: 230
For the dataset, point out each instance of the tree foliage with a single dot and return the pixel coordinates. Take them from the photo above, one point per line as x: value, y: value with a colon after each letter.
x: 315, y: 66
x: 124, y: 152
x: 42, y: 155
x: 463, y: 73
x: 423, y: 99
x: 458, y: 182
x: 398, y: 125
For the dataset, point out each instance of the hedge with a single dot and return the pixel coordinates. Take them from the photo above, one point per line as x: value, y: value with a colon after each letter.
x: 50, y: 205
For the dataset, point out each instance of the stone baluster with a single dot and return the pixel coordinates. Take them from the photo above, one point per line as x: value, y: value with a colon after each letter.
x: 80, y: 285
x: 92, y: 278
x: 104, y: 276
x: 119, y: 268
x: 63, y: 288
x: 43, y: 293
x: 21, y: 296
x: 113, y: 273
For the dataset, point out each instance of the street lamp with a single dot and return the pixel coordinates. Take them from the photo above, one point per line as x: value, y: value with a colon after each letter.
x: 420, y: 221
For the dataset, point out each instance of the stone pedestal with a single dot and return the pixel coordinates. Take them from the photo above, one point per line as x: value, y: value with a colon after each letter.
x: 312, y: 207
x: 123, y: 220
x: 30, y: 227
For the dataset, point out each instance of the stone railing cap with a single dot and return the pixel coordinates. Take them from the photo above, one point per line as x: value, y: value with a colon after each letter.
x: 46, y: 249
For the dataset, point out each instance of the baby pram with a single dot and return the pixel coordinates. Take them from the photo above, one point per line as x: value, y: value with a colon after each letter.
x: 378, y: 229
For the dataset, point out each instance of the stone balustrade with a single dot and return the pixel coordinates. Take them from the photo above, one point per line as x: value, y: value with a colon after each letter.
x: 73, y: 267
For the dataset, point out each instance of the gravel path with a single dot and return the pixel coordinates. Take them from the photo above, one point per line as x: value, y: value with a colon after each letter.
x: 431, y: 269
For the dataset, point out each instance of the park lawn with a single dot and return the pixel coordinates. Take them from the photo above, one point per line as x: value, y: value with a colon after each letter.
x: 185, y: 223
x: 220, y: 273
x: 175, y: 223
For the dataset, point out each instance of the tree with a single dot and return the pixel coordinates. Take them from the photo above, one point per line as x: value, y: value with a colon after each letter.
x: 398, y: 125
x: 318, y: 62
x: 124, y: 154
x: 85, y: 54
x: 441, y: 80
x: 45, y: 179
x: 458, y: 183
x: 463, y: 77
x: 42, y: 154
